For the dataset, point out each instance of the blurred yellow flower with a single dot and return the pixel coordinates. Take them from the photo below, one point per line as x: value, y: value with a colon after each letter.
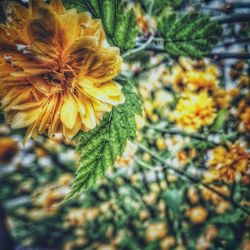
x: 244, y: 115
x: 127, y: 159
x: 56, y: 69
x: 229, y: 162
x: 197, y: 214
x: 156, y: 231
x: 222, y: 98
x: 8, y: 149
x: 197, y: 79
x: 193, y: 111
x: 189, y: 75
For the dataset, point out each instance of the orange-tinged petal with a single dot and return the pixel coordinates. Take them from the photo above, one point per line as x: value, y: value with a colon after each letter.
x: 55, y: 114
x: 103, y: 66
x: 79, y: 49
x: 29, y: 133
x: 69, y: 111
x: 71, y: 30
x: 57, y: 6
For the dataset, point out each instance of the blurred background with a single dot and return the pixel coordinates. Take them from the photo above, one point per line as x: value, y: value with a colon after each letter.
x: 183, y: 184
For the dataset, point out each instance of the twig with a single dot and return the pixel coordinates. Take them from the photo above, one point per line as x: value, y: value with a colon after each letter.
x: 220, y: 56
x: 139, y: 49
x: 182, y: 133
x: 234, y: 18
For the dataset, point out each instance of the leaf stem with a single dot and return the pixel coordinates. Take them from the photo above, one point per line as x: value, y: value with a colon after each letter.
x: 190, y: 178
x: 139, y: 49
x: 196, y: 136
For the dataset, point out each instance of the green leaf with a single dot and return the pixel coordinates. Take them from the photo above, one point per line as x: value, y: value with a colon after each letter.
x: 158, y: 6
x: 189, y: 34
x: 100, y: 147
x: 119, y: 25
x: 74, y: 4
x: 220, y: 120
x: 231, y: 217
x: 173, y: 198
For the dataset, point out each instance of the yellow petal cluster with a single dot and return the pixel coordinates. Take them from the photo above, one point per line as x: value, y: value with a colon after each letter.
x: 56, y: 69
x: 244, y: 115
x: 229, y: 163
x: 189, y: 75
x: 193, y: 111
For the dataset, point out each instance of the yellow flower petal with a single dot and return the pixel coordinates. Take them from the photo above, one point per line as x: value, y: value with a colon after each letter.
x: 69, y: 111
x: 90, y: 119
x: 24, y: 119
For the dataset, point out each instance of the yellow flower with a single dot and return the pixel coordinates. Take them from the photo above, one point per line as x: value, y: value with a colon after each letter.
x: 222, y: 98
x: 197, y: 79
x: 188, y: 75
x: 56, y: 69
x: 194, y: 111
x: 244, y: 115
x: 197, y: 214
x: 229, y: 162
x: 156, y: 231
x: 176, y: 77
x: 8, y: 149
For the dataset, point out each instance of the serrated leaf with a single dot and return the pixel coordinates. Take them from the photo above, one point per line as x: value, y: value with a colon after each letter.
x: 119, y: 25
x: 189, y: 34
x: 100, y: 147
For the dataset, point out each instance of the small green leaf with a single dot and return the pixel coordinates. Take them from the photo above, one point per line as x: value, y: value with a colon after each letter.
x: 158, y: 6
x: 119, y: 25
x: 219, y: 121
x: 173, y: 198
x: 232, y: 217
x: 189, y: 34
x: 100, y: 147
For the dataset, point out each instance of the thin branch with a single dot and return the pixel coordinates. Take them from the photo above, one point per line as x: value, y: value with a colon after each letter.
x: 234, y: 18
x: 139, y: 49
x: 191, y: 178
x: 215, y: 55
x: 183, y: 133
x: 221, y: 56
x: 230, y: 43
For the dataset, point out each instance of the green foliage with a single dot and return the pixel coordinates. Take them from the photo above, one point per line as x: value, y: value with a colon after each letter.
x: 229, y: 218
x: 173, y: 199
x: 189, y: 34
x: 100, y: 147
x: 74, y: 4
x: 120, y: 26
x: 220, y: 120
x: 157, y: 7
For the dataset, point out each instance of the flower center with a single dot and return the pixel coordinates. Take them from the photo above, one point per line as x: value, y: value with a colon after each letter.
x: 64, y: 77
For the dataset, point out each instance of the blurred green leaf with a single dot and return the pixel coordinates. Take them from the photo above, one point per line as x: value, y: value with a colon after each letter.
x: 173, y: 198
x: 219, y: 121
x: 229, y: 218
